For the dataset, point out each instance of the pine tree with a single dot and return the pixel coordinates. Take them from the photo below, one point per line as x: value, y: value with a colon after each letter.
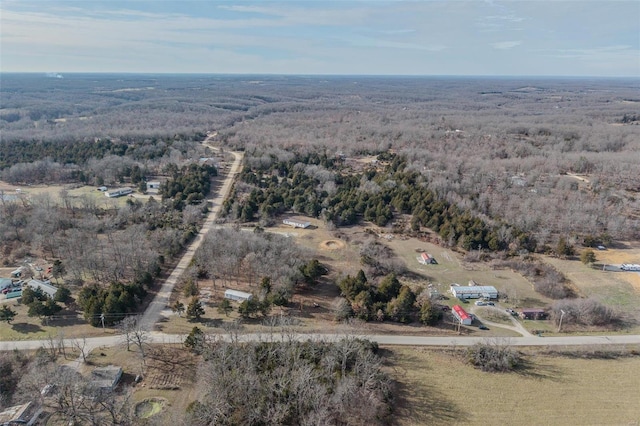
x: 195, y: 309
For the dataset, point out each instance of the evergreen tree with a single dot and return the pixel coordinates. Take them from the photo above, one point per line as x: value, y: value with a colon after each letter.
x: 195, y: 311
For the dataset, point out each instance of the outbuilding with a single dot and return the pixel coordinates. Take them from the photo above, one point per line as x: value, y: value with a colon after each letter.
x: 427, y: 259
x: 461, y: 315
x: 238, y: 296
x: 118, y: 192
x: 44, y: 286
x: 533, y: 314
x: 474, y: 292
x: 296, y: 223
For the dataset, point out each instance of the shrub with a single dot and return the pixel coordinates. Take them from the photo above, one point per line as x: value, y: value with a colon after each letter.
x: 494, y: 357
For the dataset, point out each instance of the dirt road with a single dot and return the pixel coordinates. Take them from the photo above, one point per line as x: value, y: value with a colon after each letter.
x: 159, y: 305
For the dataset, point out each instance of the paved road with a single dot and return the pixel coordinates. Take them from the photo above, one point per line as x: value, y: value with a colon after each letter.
x: 155, y: 309
x: 157, y: 337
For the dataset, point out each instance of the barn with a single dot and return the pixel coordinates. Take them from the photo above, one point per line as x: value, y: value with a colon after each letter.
x: 474, y: 292
x: 461, y: 315
x: 238, y: 296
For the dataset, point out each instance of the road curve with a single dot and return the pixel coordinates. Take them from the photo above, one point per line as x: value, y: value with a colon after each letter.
x: 159, y: 303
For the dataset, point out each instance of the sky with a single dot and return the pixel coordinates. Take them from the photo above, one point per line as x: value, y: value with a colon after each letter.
x: 515, y: 38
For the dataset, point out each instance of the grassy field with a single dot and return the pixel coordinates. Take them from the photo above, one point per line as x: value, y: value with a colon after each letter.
x: 451, y: 269
x: 437, y: 388
x: 24, y: 327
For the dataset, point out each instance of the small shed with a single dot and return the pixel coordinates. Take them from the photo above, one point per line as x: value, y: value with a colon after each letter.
x: 461, y: 315
x: 105, y: 378
x: 153, y: 185
x: 296, y: 223
x: 427, y: 259
x: 533, y: 314
x: 238, y: 296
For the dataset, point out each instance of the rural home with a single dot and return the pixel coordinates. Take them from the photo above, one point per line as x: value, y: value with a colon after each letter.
x: 427, y: 259
x: 474, y: 292
x: 44, y: 286
x: 238, y: 296
x: 533, y: 314
x: 296, y: 223
x: 461, y: 315
x: 5, y: 283
x: 118, y: 192
x: 153, y: 185
x: 17, y: 415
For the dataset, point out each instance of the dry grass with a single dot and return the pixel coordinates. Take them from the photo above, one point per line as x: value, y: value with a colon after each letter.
x: 437, y: 388
x: 451, y: 269
x: 24, y: 327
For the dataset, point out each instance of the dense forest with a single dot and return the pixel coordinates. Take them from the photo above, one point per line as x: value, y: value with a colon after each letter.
x: 548, y: 156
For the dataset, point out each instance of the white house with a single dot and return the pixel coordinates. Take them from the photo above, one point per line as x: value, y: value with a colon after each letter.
x: 153, y: 185
x: 296, y: 223
x: 45, y: 286
x: 474, y: 292
x: 118, y: 192
x: 238, y: 296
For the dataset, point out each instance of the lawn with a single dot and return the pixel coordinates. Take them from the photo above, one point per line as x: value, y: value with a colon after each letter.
x: 24, y: 327
x: 437, y: 388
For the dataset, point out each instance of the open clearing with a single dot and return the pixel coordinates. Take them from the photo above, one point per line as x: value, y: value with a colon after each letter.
x: 437, y: 388
x: 451, y: 269
x: 620, y: 290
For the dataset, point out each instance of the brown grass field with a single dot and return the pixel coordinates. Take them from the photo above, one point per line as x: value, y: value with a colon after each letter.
x: 437, y: 388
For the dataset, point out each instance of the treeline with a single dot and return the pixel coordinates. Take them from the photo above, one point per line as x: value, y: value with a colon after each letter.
x: 304, y: 184
x: 291, y: 382
x: 389, y: 300
x: 189, y: 184
x: 80, y: 151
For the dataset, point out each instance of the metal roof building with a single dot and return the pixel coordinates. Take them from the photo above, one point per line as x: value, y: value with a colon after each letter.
x: 474, y: 292
x: 461, y: 315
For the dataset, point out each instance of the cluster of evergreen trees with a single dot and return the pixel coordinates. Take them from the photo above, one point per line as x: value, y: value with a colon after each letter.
x: 187, y: 185
x: 389, y: 300
x: 372, y: 195
x: 114, y: 302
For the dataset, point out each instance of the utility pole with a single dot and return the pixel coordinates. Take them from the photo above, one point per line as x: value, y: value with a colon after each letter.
x: 561, y: 317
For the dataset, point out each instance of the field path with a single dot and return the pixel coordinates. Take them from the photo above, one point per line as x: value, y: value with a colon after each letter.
x: 159, y: 304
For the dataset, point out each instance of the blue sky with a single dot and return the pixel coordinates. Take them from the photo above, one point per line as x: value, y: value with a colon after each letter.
x: 563, y: 38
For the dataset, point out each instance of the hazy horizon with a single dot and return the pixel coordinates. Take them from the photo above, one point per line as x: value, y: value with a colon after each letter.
x: 381, y: 38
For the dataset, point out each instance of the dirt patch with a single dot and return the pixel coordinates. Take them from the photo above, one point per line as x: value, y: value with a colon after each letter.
x: 150, y: 407
x: 332, y: 245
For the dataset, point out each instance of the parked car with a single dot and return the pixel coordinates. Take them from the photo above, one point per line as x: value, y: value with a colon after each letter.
x: 480, y: 303
x: 483, y: 327
x: 490, y: 304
